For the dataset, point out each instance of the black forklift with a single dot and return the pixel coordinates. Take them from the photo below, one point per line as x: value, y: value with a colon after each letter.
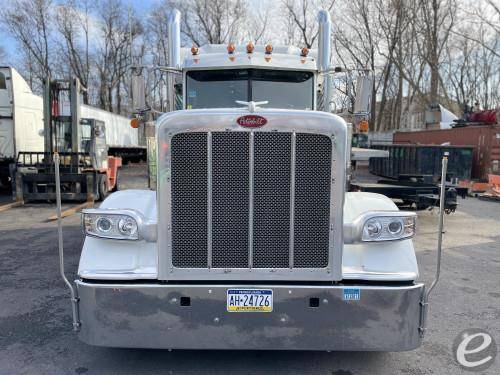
x: 87, y: 172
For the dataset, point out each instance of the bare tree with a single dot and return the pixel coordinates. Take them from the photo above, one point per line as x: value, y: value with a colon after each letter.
x: 113, y: 58
x: 3, y: 55
x: 212, y: 21
x: 302, y: 25
x: 29, y: 23
x: 73, y: 26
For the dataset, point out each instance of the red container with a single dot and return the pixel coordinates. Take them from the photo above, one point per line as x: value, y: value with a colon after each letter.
x: 485, y: 140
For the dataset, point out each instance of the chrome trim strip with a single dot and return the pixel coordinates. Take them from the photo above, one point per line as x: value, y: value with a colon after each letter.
x: 292, y: 200
x: 209, y: 199
x: 251, y: 163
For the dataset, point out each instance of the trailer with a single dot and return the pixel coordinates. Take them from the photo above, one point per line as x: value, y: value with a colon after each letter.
x: 21, y: 126
x: 122, y: 140
x: 21, y: 121
x: 250, y: 241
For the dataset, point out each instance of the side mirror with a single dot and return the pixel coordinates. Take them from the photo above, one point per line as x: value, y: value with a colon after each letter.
x: 138, y: 90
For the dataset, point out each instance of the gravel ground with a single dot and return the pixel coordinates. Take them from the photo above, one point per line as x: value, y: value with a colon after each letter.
x: 35, y: 312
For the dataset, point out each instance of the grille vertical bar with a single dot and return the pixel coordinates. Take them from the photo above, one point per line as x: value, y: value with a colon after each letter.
x: 312, y: 200
x: 251, y: 171
x: 291, y: 241
x: 209, y: 200
x: 189, y: 200
x: 271, y: 218
x: 230, y: 199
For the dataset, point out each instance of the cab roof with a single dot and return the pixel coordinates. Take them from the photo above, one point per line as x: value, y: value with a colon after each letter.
x: 214, y: 56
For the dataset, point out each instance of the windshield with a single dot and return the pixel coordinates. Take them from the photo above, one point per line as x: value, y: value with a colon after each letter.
x: 221, y: 88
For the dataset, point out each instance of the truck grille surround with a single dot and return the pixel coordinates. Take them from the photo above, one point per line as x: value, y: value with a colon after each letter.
x: 250, y: 200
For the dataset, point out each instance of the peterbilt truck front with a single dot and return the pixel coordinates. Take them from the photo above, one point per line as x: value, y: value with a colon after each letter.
x: 250, y: 240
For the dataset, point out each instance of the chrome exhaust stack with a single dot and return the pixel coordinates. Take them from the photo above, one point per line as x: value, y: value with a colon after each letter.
x: 174, y: 54
x: 324, y: 56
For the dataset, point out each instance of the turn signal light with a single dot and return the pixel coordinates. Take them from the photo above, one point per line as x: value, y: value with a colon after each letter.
x: 250, y: 47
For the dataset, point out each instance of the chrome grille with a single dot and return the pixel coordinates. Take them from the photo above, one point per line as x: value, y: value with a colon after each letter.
x: 230, y: 200
x: 250, y: 200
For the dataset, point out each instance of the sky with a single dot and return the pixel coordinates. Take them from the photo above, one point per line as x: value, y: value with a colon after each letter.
x: 9, y: 45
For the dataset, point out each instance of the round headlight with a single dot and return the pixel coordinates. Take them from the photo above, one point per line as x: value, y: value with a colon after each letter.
x: 373, y: 228
x: 395, y: 227
x: 127, y: 226
x: 104, y: 224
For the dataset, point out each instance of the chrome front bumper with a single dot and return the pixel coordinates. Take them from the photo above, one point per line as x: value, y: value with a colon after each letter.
x: 385, y: 318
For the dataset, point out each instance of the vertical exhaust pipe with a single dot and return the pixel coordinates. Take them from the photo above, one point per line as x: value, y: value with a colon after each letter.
x: 324, y: 55
x: 174, y: 54
x: 424, y: 304
x: 72, y: 290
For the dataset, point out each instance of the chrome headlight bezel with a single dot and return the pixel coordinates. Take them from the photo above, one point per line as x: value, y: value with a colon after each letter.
x: 359, y: 230
x: 120, y: 221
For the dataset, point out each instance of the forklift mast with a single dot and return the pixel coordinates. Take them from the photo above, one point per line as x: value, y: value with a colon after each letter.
x: 62, y: 115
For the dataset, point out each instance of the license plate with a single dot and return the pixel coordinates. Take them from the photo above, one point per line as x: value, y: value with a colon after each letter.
x: 249, y: 300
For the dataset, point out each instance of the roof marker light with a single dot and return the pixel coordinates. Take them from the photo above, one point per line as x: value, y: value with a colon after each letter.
x: 194, y: 50
x: 231, y: 47
x: 304, y: 52
x: 250, y: 47
x: 269, y: 49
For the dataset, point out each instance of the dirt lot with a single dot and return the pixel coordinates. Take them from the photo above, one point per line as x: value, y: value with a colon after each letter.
x: 35, y: 321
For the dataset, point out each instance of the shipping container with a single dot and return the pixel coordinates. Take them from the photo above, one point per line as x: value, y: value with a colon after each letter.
x: 422, y: 160
x: 484, y: 139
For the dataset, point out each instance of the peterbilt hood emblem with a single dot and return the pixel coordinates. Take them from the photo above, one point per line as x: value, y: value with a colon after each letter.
x: 251, y: 121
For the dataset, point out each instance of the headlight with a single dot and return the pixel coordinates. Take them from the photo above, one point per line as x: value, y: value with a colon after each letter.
x: 118, y: 224
x: 111, y: 225
x: 381, y: 226
x: 387, y: 228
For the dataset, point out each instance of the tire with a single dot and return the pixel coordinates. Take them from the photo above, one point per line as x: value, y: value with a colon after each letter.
x: 102, y: 187
x: 117, y: 183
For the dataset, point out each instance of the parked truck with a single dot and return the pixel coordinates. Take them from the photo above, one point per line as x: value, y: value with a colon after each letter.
x: 21, y: 125
x: 250, y: 240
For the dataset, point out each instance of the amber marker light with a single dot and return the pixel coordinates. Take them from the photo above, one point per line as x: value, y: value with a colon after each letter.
x: 194, y: 50
x: 135, y: 122
x: 231, y: 47
x: 269, y: 49
x: 250, y: 47
x: 304, y: 52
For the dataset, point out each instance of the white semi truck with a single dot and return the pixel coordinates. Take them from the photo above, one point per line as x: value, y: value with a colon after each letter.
x: 21, y: 124
x: 250, y: 240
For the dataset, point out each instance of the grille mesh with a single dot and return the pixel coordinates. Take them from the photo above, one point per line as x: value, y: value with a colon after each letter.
x: 189, y: 200
x: 312, y: 200
x: 230, y: 200
x: 271, y: 218
x: 230, y: 187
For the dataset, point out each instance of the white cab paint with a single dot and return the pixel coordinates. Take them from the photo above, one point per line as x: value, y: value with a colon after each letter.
x: 132, y: 260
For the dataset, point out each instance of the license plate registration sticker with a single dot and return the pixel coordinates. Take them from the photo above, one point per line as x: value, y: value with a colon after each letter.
x: 249, y: 300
